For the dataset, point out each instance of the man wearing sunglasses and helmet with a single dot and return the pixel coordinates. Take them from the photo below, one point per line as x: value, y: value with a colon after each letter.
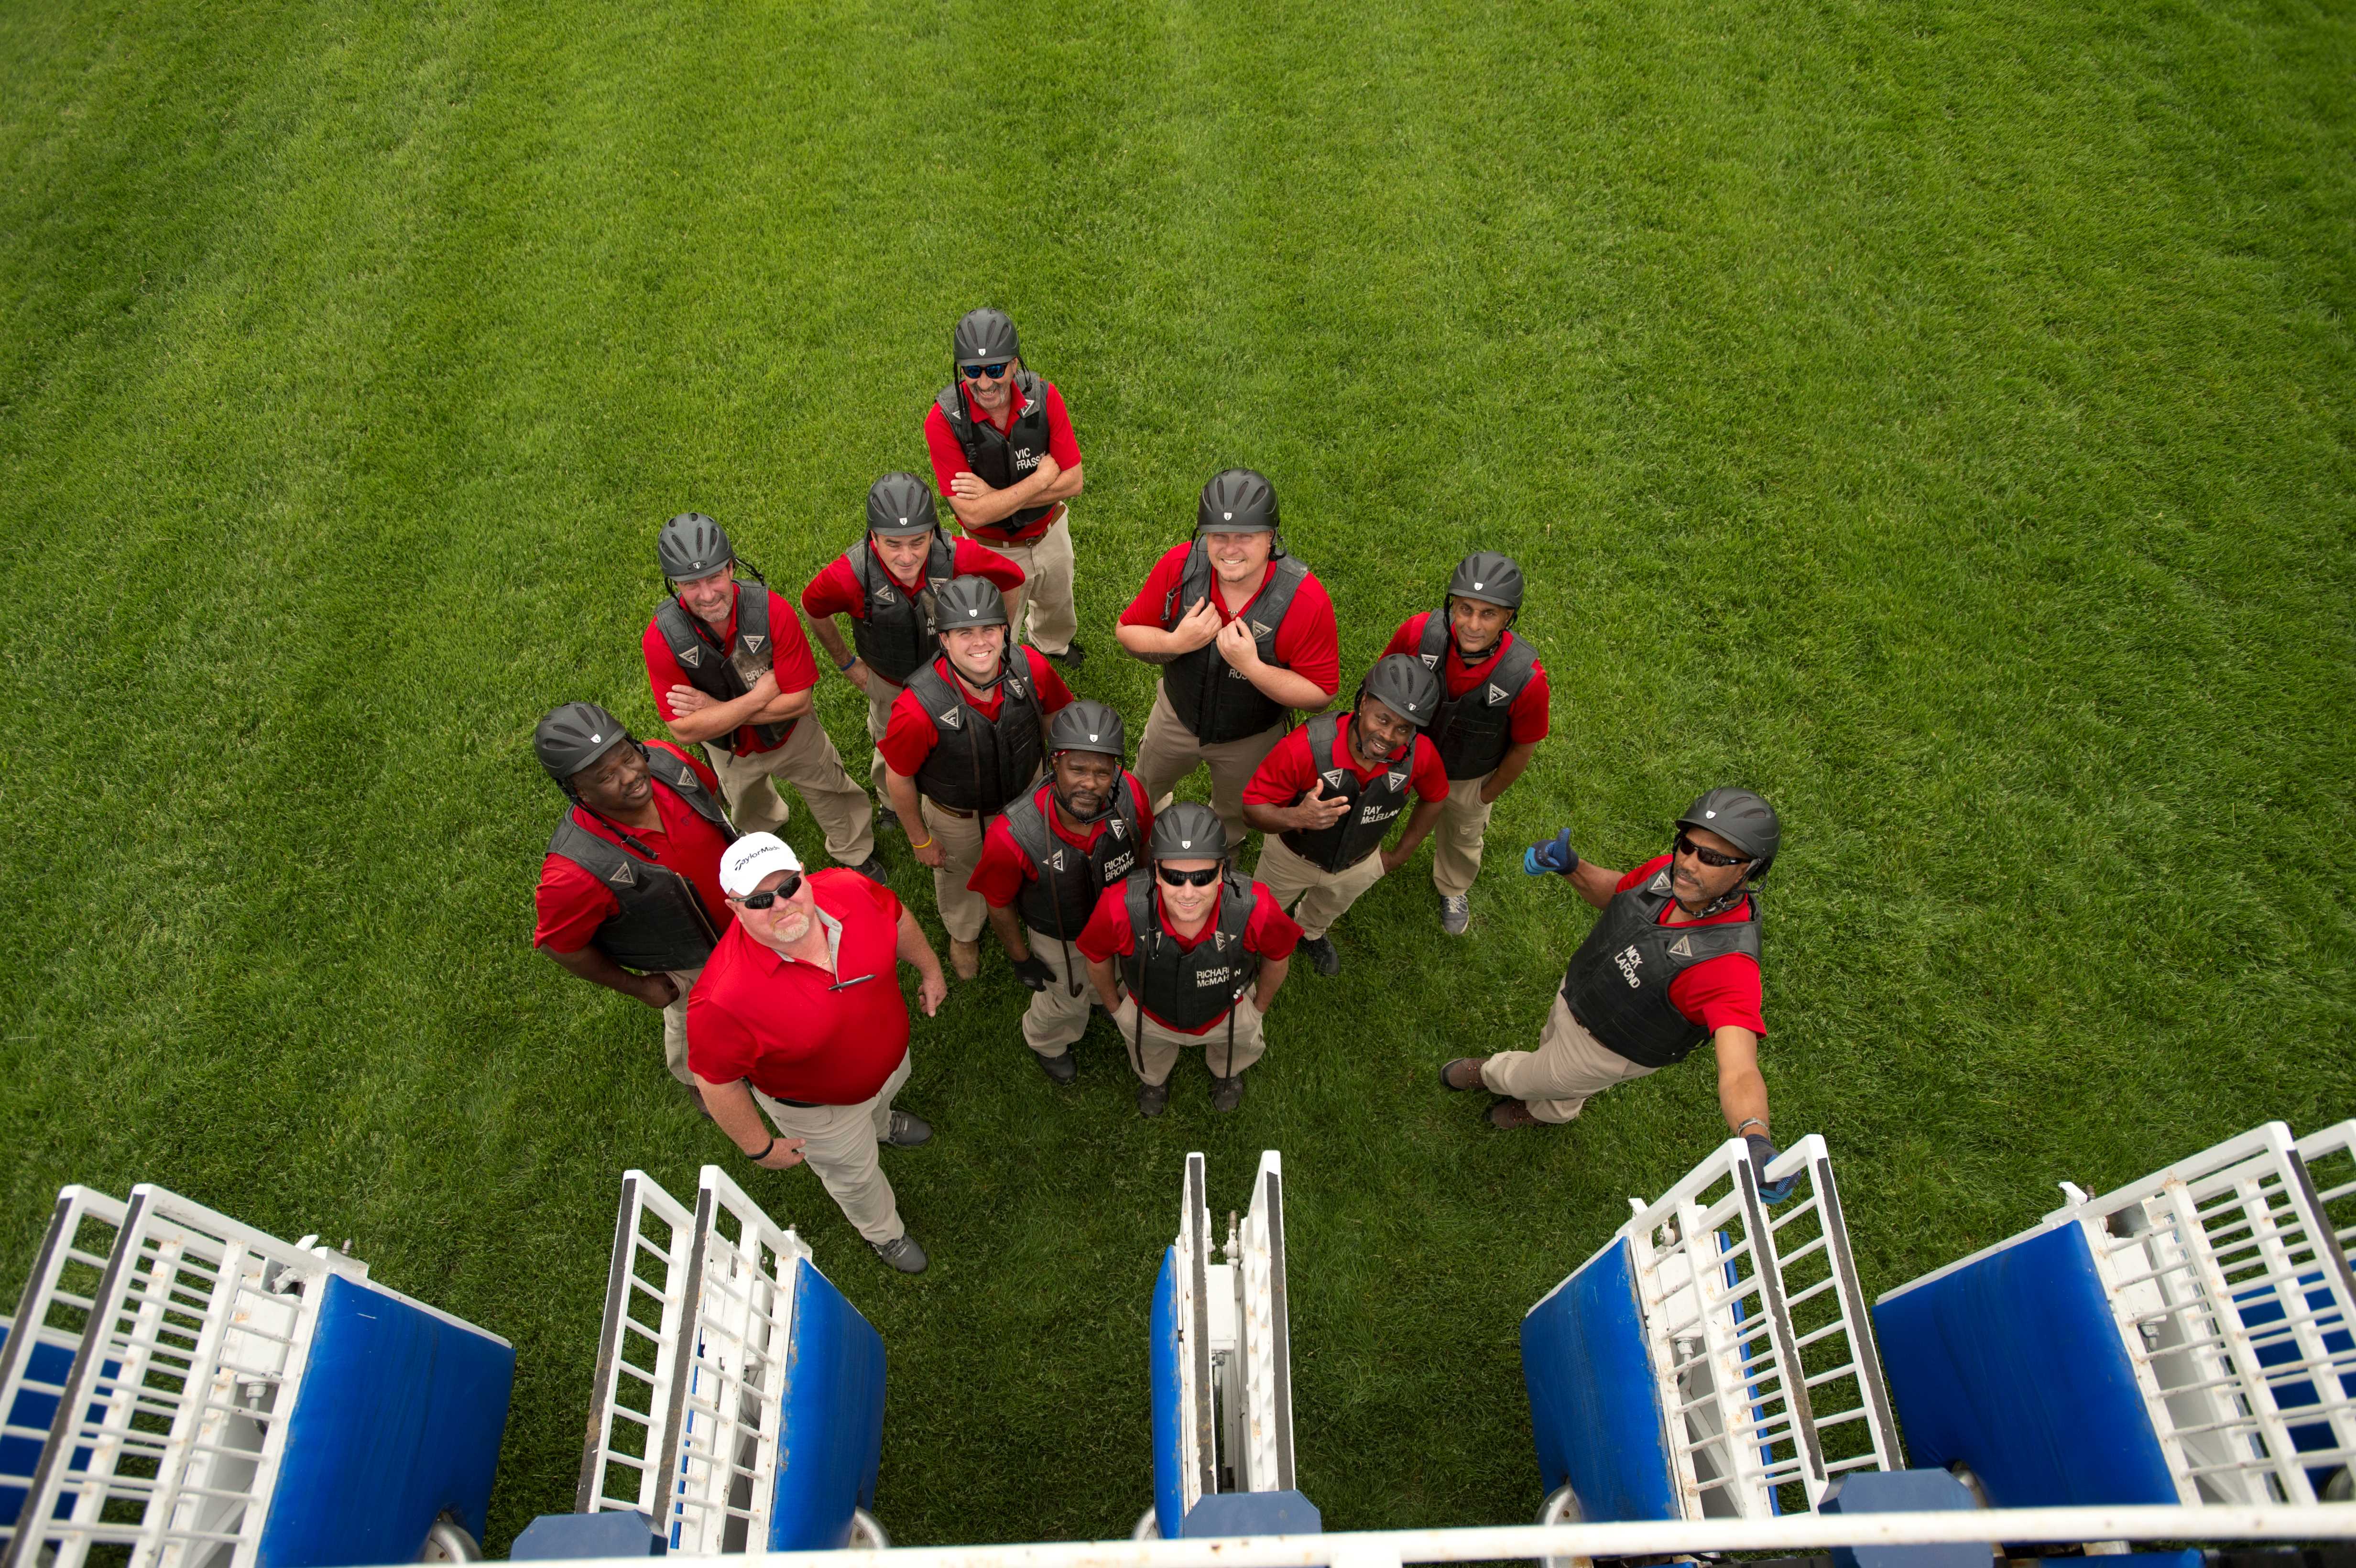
x: 1672, y: 961
x: 799, y: 1017
x: 1047, y: 861
x: 1192, y: 956
x: 630, y: 894
x: 1006, y: 461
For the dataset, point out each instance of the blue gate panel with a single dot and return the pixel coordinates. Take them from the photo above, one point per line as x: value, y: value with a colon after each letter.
x: 397, y: 1420
x: 2261, y: 1311
x: 47, y: 1363
x: 1595, y: 1406
x: 1169, y: 1404
x: 830, y: 1419
x: 2012, y: 1364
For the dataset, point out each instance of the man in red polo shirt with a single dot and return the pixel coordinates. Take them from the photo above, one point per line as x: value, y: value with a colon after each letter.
x: 1245, y: 634
x: 886, y: 585
x: 1673, y: 962
x: 1491, y: 720
x: 1328, y: 794
x: 730, y: 667
x: 1200, y: 953
x: 629, y: 893
x: 799, y: 1014
x: 1006, y: 461
x: 966, y: 740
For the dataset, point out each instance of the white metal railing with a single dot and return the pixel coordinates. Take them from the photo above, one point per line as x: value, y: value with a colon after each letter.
x: 1261, y: 1389
x: 167, y: 1439
x: 1757, y: 1335
x: 638, y: 1352
x: 2329, y: 1157
x: 1198, y: 1468
x: 54, y: 1310
x: 2233, y: 1298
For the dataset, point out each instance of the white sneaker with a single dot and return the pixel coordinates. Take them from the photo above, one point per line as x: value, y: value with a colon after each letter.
x: 1456, y: 914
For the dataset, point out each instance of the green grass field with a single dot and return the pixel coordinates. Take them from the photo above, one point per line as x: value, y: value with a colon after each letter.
x: 1936, y: 416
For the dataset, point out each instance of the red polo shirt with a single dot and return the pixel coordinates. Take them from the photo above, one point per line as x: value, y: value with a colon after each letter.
x: 572, y: 904
x: 1003, y: 867
x: 1306, y: 641
x: 1528, y: 713
x: 1270, y: 933
x: 948, y: 457
x: 790, y: 657
x: 789, y: 1026
x: 910, y: 736
x: 1717, y: 991
x: 835, y: 589
x: 1288, y: 774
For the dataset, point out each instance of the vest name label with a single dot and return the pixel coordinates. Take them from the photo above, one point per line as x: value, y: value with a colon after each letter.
x: 1630, y: 961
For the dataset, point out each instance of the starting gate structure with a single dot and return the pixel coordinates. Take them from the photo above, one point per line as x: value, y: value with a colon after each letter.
x: 1713, y: 1360
x: 739, y: 1401
x: 2185, y: 1338
x: 217, y: 1398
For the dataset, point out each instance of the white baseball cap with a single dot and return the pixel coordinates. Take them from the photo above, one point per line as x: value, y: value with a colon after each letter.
x: 753, y: 859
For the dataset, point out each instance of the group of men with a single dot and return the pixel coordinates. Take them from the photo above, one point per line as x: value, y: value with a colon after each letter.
x: 782, y: 1013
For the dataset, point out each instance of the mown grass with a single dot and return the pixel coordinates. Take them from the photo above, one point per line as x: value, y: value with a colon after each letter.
x: 1933, y: 415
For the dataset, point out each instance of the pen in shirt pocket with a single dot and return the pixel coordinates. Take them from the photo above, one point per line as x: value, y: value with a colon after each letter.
x: 855, y: 979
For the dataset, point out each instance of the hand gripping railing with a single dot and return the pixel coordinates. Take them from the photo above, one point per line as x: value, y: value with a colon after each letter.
x: 52, y: 1314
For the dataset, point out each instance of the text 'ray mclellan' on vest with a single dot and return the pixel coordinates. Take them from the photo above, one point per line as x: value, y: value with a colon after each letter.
x: 661, y: 923
x: 978, y: 764
x: 1617, y: 985
x: 1058, y: 900
x: 1374, y: 803
x: 1190, y: 988
x: 726, y: 675
x: 1212, y: 698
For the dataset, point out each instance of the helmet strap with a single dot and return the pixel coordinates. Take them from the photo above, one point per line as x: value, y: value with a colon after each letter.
x: 1065, y: 806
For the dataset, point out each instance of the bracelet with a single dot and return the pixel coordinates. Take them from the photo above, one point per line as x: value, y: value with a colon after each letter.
x: 1749, y: 1121
x: 926, y: 844
x: 849, y: 661
x: 757, y: 1158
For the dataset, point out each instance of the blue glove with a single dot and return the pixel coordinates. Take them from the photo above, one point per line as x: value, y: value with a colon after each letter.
x: 1762, y: 1153
x: 1556, y: 855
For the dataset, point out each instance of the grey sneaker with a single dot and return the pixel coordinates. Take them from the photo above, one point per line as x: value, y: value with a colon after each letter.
x: 901, y: 1253
x: 908, y: 1131
x: 875, y: 871
x: 1321, y: 955
x: 1152, y: 1099
x: 1456, y: 914
x: 1226, y: 1093
x: 1062, y: 1069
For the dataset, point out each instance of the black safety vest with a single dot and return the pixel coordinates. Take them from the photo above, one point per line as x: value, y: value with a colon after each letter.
x: 1189, y: 987
x: 661, y: 923
x: 1060, y: 898
x: 894, y: 632
x: 725, y: 677
x: 1618, y: 981
x: 1002, y: 460
x: 1475, y: 731
x: 1373, y: 803
x: 1210, y: 695
x: 978, y: 764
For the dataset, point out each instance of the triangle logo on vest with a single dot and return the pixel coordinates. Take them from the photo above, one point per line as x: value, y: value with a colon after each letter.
x: 692, y: 657
x: 951, y: 720
x: 1498, y: 694
x: 1681, y: 948
x: 623, y: 877
x: 753, y: 645
x: 1660, y: 883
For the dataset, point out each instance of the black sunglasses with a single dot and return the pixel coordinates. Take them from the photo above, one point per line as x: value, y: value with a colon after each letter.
x: 1708, y: 857
x: 1202, y: 878
x: 984, y: 372
x: 785, y: 890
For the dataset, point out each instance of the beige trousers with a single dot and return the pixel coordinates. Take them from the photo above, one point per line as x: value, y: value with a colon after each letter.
x: 1047, y: 591
x: 841, y: 1143
x: 1169, y: 751
x: 1456, y: 843
x: 881, y: 695
x: 810, y: 762
x: 1056, y: 1019
x: 675, y: 1025
x: 963, y: 911
x: 1154, y: 1052
x: 1556, y: 1079
x: 1323, y: 895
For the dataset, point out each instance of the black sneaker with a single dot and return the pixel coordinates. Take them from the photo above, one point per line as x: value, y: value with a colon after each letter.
x: 903, y: 1254
x: 875, y: 871
x: 1321, y: 955
x: 1226, y: 1093
x: 1152, y: 1099
x: 1062, y: 1069
x: 906, y: 1131
x: 1072, y: 657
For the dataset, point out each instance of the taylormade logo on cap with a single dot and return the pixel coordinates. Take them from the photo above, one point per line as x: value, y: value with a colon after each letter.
x: 753, y: 859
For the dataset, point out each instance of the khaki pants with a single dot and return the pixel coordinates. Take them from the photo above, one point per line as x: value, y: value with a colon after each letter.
x: 1569, y: 1065
x: 881, y: 695
x: 810, y: 762
x: 1154, y: 1052
x: 1170, y: 751
x: 1056, y: 1019
x: 1456, y: 843
x: 840, y: 1144
x: 675, y: 1025
x: 1323, y: 895
x: 1047, y: 591
x: 963, y: 911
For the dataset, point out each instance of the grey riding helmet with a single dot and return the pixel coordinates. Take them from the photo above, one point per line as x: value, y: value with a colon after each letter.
x: 1187, y: 831
x: 1236, y: 501
x: 1088, y: 726
x: 1743, y: 820
x: 691, y: 546
x: 901, y: 504
x: 574, y: 737
x: 984, y: 336
x: 1489, y: 577
x: 1406, y: 687
x: 968, y: 601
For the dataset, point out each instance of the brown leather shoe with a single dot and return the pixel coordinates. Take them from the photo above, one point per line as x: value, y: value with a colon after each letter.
x: 1470, y: 1078
x: 965, y: 957
x: 1507, y: 1115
